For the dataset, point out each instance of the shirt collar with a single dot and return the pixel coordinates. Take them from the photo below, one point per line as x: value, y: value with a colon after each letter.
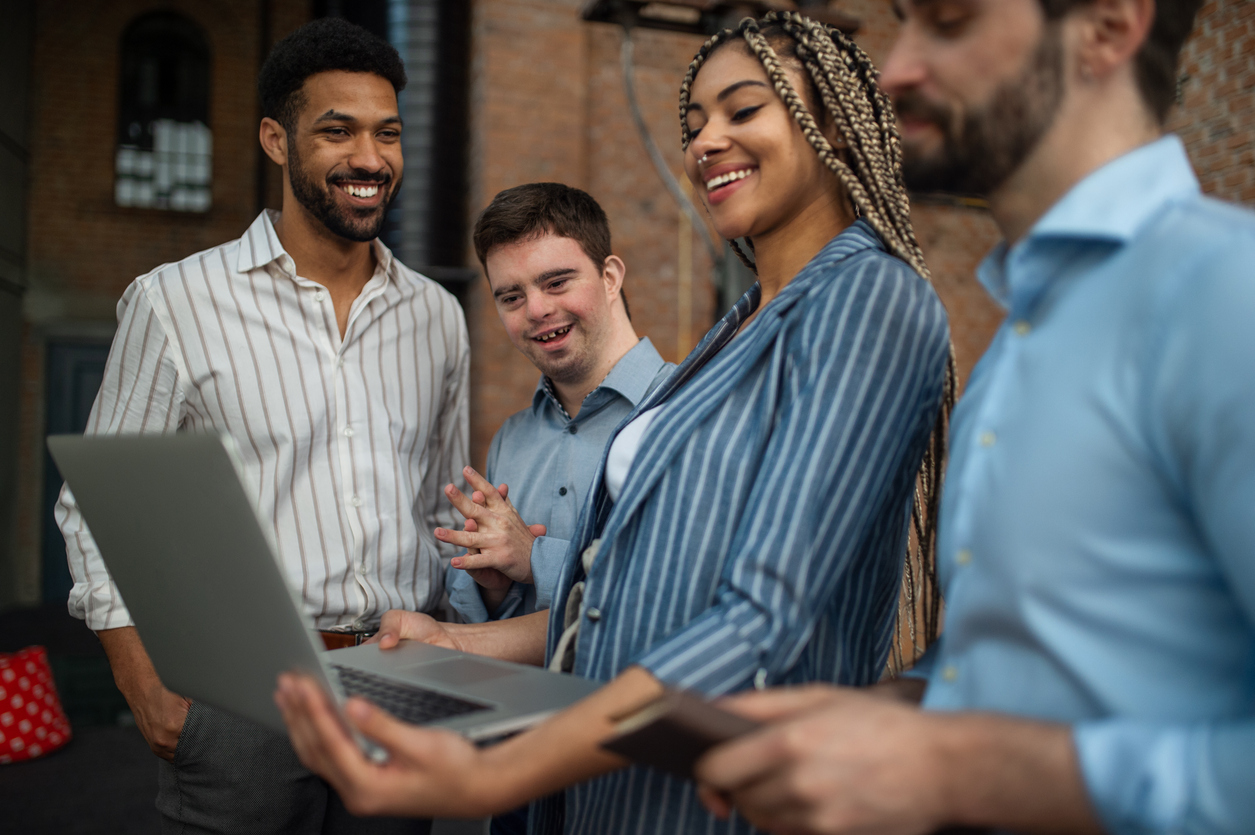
x: 260, y: 246
x: 1109, y: 205
x: 630, y: 377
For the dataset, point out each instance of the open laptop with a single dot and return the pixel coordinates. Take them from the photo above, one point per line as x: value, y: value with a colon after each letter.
x: 198, y: 572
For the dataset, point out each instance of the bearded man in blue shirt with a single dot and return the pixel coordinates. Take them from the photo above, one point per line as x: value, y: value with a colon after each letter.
x: 1097, y: 537
x: 558, y: 288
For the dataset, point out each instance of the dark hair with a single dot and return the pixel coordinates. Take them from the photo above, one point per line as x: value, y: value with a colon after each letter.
x: 535, y: 209
x: 1156, y: 62
x: 323, y: 45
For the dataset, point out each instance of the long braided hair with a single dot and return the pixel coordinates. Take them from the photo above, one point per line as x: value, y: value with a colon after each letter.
x: 869, y: 167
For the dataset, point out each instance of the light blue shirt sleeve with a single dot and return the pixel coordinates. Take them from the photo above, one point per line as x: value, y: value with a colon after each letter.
x: 463, y: 591
x: 548, y: 554
x: 1148, y: 777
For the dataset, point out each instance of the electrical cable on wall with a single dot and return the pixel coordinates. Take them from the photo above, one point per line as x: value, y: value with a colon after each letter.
x: 655, y: 155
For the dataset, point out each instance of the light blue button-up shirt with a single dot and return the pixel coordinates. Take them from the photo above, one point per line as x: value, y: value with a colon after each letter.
x: 1097, y: 541
x: 548, y: 458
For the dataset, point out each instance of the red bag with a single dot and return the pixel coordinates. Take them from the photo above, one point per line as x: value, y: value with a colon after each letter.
x: 32, y: 722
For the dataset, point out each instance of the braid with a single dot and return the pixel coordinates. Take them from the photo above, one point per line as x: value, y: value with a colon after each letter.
x: 869, y: 168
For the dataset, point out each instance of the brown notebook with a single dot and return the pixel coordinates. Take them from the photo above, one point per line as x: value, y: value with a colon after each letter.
x: 672, y: 732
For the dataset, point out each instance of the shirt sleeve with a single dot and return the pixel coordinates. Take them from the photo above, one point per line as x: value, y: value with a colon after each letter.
x: 548, y: 555
x: 1161, y: 777
x: 140, y: 393
x: 866, y: 358
x: 448, y: 442
x: 464, y: 596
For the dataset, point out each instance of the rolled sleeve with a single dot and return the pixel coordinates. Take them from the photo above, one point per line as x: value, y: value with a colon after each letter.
x: 140, y: 393
x: 548, y: 554
x: 464, y: 596
x: 1146, y: 778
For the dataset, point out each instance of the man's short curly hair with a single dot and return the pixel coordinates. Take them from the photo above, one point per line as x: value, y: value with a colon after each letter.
x: 323, y: 45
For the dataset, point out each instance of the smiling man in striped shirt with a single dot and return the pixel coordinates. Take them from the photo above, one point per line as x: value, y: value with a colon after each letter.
x: 342, y: 376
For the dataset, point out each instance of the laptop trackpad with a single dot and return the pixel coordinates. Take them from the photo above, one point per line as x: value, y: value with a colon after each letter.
x: 461, y: 672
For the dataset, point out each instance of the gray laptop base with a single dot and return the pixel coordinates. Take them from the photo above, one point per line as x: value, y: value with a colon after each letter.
x: 197, y: 569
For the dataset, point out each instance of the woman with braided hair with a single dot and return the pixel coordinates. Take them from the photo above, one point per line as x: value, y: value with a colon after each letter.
x: 748, y: 524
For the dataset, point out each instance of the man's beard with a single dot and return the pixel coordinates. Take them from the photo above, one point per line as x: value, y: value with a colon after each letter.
x: 347, y: 222
x: 571, y: 369
x: 979, y: 153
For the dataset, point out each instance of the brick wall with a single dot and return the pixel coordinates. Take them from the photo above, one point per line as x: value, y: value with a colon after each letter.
x: 1217, y: 119
x: 549, y: 104
x: 82, y: 250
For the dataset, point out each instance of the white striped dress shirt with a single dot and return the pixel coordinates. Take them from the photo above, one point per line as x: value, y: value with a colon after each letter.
x: 346, y: 442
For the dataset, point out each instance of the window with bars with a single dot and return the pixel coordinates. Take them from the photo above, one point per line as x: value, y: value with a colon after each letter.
x: 164, y: 156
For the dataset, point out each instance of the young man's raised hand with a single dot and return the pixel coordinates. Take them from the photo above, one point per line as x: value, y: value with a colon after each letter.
x: 496, y: 536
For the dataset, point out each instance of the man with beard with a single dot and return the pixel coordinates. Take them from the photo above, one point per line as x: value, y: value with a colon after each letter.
x: 545, y: 249
x: 342, y: 376
x: 1097, y: 544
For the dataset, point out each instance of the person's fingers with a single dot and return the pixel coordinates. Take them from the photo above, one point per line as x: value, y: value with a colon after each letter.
x: 492, y: 499
x: 463, y: 539
x: 537, y: 529
x: 744, y: 760
x: 715, y: 802
x: 463, y: 503
x: 490, y: 578
x: 469, y: 562
x: 504, y: 490
x: 398, y: 625
x: 775, y: 803
x: 318, y: 735
x: 780, y: 702
x: 478, y: 498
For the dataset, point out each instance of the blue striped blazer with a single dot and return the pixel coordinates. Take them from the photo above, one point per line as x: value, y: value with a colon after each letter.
x: 760, y: 535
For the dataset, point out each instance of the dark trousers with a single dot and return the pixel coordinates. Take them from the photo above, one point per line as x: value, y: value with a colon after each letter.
x: 230, y: 776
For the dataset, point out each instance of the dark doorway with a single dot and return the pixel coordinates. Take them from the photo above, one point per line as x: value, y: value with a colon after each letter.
x: 74, y: 370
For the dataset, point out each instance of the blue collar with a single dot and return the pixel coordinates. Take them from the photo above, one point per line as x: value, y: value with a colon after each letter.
x: 1110, y: 205
x: 630, y: 377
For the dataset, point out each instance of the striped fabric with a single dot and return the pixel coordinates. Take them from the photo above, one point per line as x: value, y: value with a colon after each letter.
x: 346, y: 443
x: 759, y: 538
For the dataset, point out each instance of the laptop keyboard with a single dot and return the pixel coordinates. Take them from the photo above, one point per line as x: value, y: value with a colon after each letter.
x: 404, y: 701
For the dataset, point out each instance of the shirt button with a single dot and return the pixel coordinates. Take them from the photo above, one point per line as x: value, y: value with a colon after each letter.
x: 348, y: 431
x: 1022, y: 327
x: 561, y: 491
x: 593, y: 614
x: 988, y: 439
x: 319, y: 296
x: 355, y: 501
x: 963, y: 557
x: 573, y: 429
x: 950, y: 673
x: 340, y: 363
x: 760, y: 679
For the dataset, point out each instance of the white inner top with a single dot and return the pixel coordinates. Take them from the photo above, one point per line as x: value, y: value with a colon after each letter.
x: 623, y: 452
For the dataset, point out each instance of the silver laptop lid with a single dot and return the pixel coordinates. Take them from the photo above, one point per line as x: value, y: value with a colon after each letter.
x: 199, y: 540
